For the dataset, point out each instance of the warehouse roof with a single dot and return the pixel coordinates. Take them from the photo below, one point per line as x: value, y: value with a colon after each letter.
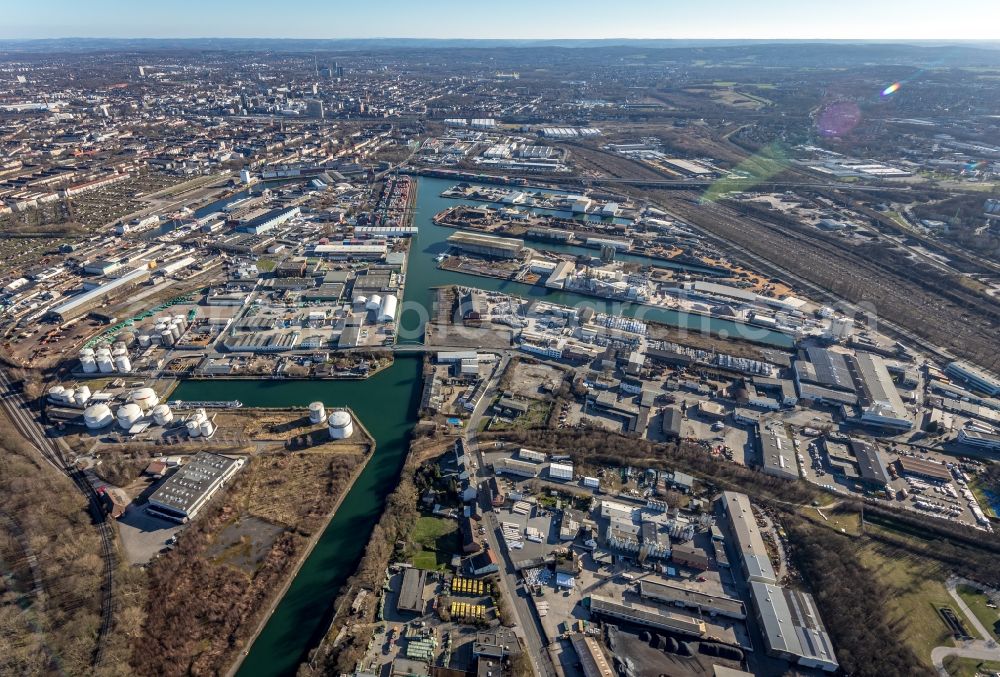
x: 748, y: 539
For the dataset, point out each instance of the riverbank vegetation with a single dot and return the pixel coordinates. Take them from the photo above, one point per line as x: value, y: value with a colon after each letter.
x: 207, y: 596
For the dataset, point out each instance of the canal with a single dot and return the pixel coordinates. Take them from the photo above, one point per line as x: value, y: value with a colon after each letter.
x: 387, y: 405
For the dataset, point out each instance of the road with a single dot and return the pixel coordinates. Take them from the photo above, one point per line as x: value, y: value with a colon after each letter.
x: 529, y: 626
x: 19, y: 413
x: 983, y: 649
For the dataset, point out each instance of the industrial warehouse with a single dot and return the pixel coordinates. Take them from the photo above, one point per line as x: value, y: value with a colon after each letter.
x: 191, y: 486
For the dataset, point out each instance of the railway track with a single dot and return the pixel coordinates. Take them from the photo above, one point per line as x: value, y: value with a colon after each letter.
x: 18, y: 412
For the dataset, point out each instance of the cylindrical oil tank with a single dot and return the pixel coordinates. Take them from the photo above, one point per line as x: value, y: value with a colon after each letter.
x: 123, y: 364
x: 340, y: 425
x: 374, y: 302
x: 69, y: 396
x: 144, y: 341
x: 128, y: 414
x: 146, y: 398
x: 207, y: 428
x: 104, y: 364
x: 82, y: 394
x: 97, y: 416
x: 361, y: 300
x: 193, y: 428
x: 317, y: 412
x: 166, y: 338
x: 175, y: 330
x: 162, y: 414
x: 57, y: 393
x: 88, y: 363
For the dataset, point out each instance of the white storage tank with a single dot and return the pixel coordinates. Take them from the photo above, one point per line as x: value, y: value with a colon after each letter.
x: 82, y: 394
x: 317, y: 412
x: 104, y: 363
x: 374, y: 302
x: 361, y: 301
x: 340, y: 425
x: 193, y: 428
x: 144, y: 341
x: 97, y: 416
x: 167, y: 338
x: 88, y: 362
x: 175, y: 330
x: 69, y: 396
x: 146, y: 398
x: 128, y: 414
x: 162, y: 414
x: 123, y: 364
x: 207, y: 428
x: 387, y: 312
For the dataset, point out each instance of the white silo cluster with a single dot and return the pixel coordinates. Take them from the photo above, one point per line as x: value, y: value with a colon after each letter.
x: 166, y: 332
x: 106, y: 360
x: 340, y: 425
x: 97, y: 416
x: 199, y: 425
x: 69, y: 396
x: 387, y: 309
x: 317, y: 412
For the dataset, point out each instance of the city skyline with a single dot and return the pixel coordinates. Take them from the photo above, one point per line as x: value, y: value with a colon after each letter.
x: 560, y: 19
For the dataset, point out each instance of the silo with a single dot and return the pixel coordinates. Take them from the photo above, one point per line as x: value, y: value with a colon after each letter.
x: 340, y: 425
x: 104, y: 363
x: 97, y: 416
x: 374, y: 302
x: 166, y: 338
x: 317, y: 412
x: 193, y: 428
x: 207, y: 428
x: 82, y: 394
x: 123, y: 364
x: 144, y: 397
x: 57, y: 394
x: 128, y: 414
x: 88, y: 361
x: 162, y: 414
x: 69, y: 396
x: 361, y: 300
x: 175, y: 330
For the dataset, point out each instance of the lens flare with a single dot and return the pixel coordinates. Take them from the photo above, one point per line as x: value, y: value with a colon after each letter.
x: 891, y: 89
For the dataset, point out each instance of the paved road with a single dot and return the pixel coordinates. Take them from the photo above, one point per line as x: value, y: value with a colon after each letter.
x: 984, y: 649
x: 529, y: 627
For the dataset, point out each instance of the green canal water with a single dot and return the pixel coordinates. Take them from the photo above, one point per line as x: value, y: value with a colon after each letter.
x: 387, y: 405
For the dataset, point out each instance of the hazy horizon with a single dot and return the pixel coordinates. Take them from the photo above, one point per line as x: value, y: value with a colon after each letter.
x: 847, y: 20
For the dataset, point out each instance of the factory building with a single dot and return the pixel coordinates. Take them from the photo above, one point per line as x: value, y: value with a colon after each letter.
x: 81, y: 304
x: 187, y: 491
x: 777, y: 452
x: 268, y: 220
x: 792, y: 627
x: 486, y: 245
x: 746, y: 535
x: 976, y: 378
x: 648, y: 616
x: 976, y: 438
x: 881, y: 404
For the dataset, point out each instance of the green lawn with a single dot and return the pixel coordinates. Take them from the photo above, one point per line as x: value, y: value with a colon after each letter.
x: 916, y: 591
x: 969, y: 667
x: 438, y: 541
x: 977, y: 603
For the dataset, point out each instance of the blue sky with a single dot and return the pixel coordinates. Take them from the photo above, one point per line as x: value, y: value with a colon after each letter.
x: 763, y: 19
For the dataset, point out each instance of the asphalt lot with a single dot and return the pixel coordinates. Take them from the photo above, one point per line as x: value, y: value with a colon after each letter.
x: 142, y: 535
